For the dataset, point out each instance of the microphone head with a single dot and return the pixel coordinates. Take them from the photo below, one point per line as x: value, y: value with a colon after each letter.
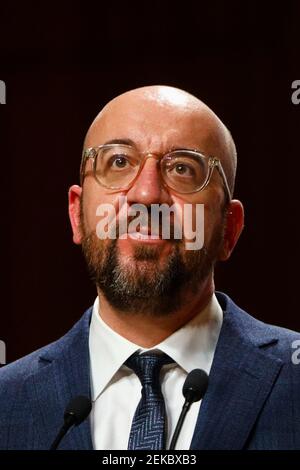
x: 195, y: 385
x: 78, y: 410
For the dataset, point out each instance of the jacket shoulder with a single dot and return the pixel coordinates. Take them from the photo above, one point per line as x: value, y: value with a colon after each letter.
x: 13, y: 375
x: 283, y: 341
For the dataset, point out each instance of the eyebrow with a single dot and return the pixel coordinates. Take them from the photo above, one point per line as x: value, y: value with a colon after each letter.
x: 120, y: 142
x: 133, y: 144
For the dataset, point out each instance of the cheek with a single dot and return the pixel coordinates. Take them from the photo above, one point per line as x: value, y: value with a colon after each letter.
x: 214, y: 226
x: 89, y: 213
x: 200, y: 219
x: 96, y: 201
x: 191, y: 215
x: 213, y: 211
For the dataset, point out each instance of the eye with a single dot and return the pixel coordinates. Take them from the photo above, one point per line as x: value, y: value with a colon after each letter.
x: 180, y: 169
x: 183, y: 170
x: 119, y: 161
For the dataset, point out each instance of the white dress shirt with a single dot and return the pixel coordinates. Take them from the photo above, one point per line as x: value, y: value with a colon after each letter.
x: 116, y: 389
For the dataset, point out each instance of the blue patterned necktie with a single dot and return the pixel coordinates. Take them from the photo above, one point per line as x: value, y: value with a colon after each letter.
x: 148, y: 424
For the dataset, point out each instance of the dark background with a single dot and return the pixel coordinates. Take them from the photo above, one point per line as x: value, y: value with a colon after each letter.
x: 62, y: 63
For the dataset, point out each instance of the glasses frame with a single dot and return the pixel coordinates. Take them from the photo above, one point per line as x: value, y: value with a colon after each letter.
x: 213, y: 162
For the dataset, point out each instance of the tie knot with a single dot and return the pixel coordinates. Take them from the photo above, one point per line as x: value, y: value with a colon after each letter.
x: 147, y: 366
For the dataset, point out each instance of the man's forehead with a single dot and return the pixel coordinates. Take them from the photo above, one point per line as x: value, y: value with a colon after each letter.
x: 138, y: 115
x: 159, y: 95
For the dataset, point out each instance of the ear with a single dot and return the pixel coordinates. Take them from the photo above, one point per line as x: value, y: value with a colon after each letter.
x: 233, y: 228
x: 75, y: 193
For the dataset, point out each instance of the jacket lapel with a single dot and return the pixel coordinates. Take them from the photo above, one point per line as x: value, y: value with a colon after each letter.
x: 241, y: 378
x: 64, y: 374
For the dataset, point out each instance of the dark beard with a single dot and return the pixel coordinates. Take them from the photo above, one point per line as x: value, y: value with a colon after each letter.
x: 142, y: 286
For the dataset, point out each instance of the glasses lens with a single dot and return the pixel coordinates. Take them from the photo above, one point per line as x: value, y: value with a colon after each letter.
x: 184, y: 171
x: 116, y: 166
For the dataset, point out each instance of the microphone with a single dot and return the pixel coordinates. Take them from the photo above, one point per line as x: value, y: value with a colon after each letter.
x: 77, y: 411
x: 193, y: 390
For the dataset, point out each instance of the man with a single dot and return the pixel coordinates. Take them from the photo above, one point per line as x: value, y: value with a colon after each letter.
x: 157, y: 316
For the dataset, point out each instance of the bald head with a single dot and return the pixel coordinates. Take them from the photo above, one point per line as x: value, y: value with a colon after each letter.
x: 158, y: 118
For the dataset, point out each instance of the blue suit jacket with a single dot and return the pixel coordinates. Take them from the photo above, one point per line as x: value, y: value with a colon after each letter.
x: 252, y: 402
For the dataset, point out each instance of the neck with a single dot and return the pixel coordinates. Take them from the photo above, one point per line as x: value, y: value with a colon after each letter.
x: 148, y: 331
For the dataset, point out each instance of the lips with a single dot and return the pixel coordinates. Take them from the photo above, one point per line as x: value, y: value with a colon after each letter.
x: 143, y: 236
x: 144, y: 233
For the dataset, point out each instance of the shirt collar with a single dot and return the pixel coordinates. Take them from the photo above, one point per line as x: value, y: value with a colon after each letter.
x: 191, y: 347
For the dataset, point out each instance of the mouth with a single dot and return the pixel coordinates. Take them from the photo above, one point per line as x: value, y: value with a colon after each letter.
x: 144, y: 234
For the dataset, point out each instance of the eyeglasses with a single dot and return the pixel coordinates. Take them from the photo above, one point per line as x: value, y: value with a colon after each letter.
x: 117, y: 166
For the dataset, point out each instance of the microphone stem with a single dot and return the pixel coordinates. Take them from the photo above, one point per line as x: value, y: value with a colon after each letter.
x: 182, y: 416
x: 58, y: 438
x: 63, y: 430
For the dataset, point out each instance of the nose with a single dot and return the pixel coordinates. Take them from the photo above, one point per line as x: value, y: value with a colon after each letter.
x: 148, y: 188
